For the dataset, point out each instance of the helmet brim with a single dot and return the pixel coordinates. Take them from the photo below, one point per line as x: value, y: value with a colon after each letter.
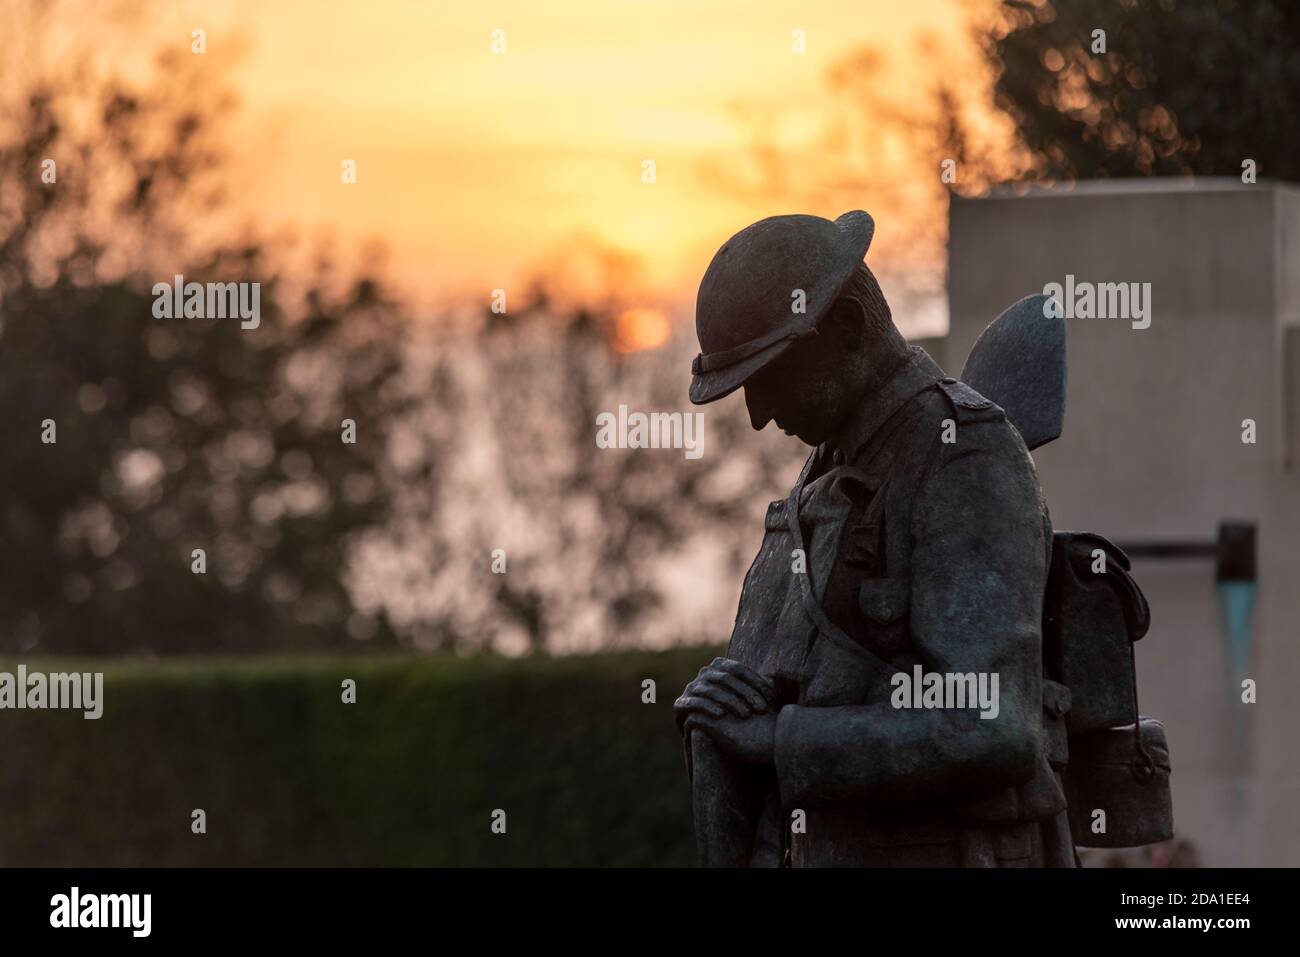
x: 856, y: 231
x: 710, y: 386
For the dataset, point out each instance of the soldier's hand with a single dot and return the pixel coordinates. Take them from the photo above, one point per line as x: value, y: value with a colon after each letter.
x: 723, y: 688
x: 751, y: 740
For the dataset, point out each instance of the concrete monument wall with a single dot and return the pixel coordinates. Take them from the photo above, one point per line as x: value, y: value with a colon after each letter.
x: 1153, y: 450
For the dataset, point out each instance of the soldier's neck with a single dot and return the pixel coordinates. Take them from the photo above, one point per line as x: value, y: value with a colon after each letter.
x: 878, y: 367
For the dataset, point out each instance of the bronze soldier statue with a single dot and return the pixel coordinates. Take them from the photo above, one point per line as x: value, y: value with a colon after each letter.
x: 914, y: 550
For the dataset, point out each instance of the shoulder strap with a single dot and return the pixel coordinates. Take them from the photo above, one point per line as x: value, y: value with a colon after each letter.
x: 898, y: 541
x: 811, y: 605
x: 902, y: 497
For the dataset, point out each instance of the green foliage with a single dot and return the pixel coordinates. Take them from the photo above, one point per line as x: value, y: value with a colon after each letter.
x: 1183, y: 87
x: 408, y: 775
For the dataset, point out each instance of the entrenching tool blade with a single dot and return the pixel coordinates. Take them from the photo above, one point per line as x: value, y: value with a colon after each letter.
x: 1019, y: 363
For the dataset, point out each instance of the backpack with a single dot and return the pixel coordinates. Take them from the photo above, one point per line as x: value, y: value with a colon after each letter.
x: 1114, y: 762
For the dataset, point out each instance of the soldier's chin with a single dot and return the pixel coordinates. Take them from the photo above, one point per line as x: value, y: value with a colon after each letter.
x: 796, y: 433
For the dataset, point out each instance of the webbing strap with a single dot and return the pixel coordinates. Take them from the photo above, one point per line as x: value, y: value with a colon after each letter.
x: 810, y: 603
x: 897, y: 535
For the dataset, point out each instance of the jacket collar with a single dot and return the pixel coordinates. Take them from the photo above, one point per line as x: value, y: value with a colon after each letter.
x: 917, y: 373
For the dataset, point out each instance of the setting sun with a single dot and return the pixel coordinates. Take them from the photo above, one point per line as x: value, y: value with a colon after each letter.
x: 640, y: 328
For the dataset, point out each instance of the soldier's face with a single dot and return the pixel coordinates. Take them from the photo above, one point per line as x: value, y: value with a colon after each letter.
x: 807, y: 391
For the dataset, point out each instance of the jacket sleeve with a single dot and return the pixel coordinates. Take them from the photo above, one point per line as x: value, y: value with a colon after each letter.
x: 978, y: 573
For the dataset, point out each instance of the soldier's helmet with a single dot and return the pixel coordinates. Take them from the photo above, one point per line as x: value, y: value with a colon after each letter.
x: 748, y: 309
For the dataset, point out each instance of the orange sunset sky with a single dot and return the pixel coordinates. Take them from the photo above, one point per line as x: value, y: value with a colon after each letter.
x: 476, y: 169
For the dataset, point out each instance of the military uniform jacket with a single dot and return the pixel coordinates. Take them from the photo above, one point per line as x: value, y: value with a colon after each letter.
x: 921, y: 539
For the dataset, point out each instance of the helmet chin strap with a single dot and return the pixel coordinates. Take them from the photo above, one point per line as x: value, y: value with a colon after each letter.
x: 729, y: 357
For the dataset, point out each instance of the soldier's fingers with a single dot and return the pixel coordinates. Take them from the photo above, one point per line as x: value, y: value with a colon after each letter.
x: 746, y: 674
x: 741, y: 670
x: 725, y: 690
x: 705, y: 672
x: 758, y: 702
x: 737, y: 703
x: 696, y: 703
x: 712, y: 667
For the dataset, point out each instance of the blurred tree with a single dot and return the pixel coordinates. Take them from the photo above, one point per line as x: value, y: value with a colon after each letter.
x: 172, y: 434
x: 595, y: 547
x: 177, y: 434
x: 592, y: 574
x: 1182, y: 88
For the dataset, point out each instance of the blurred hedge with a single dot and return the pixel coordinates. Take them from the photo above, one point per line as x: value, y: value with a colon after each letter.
x: 409, y: 775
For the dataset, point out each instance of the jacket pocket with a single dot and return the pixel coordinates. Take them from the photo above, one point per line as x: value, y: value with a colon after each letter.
x: 884, y: 600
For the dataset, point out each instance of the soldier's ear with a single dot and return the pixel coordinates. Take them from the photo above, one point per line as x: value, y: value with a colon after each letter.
x: 846, y: 322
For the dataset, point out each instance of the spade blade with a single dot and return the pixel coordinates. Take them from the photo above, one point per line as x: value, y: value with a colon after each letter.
x: 1019, y: 363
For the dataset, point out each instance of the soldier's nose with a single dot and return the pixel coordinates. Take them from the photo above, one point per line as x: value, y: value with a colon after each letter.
x: 759, y: 416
